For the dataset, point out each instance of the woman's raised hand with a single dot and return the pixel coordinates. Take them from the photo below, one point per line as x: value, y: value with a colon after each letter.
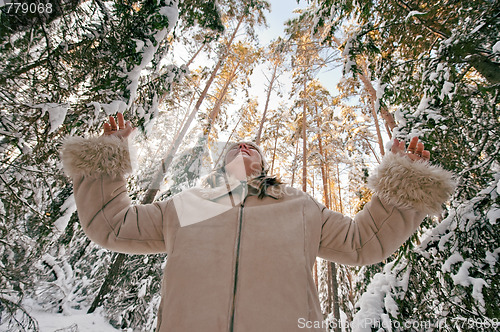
x: 415, y: 149
x: 122, y: 130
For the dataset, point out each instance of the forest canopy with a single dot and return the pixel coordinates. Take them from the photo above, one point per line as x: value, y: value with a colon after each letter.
x: 186, y: 74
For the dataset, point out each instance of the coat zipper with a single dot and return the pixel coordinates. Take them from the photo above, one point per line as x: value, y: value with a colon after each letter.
x: 237, y: 254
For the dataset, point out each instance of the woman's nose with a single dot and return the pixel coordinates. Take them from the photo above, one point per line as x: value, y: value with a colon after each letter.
x: 243, y: 146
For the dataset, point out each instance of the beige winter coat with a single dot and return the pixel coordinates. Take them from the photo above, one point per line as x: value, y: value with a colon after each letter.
x: 236, y: 262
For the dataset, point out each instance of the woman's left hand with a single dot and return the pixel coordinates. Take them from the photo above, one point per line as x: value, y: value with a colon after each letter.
x: 415, y: 149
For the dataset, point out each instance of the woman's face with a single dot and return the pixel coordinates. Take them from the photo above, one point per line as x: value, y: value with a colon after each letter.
x: 243, y: 160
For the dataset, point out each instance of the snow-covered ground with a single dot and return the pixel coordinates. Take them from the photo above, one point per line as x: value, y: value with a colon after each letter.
x: 73, y: 321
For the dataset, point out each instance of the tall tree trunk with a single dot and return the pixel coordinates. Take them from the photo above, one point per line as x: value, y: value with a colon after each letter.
x: 324, y: 177
x: 218, y: 103
x: 195, y: 54
x: 340, y: 192
x: 373, y: 98
x: 329, y: 301
x: 372, y: 150
x: 274, y: 150
x: 304, y: 143
x: 268, y: 97
x: 333, y: 274
x: 351, y: 293
x: 384, y: 112
x: 113, y: 273
x: 295, y: 159
x: 315, y: 273
x: 332, y: 201
x: 335, y: 299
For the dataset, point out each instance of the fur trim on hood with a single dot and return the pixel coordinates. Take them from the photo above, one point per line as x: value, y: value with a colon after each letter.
x: 412, y: 184
x: 96, y: 156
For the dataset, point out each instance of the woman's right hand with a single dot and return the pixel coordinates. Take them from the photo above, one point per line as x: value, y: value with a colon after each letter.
x: 122, y: 130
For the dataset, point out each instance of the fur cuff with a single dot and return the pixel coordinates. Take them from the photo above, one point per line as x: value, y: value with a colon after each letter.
x: 96, y: 156
x: 412, y: 184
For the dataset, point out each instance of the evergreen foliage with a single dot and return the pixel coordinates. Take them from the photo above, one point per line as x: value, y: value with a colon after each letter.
x: 62, y: 72
x: 434, y: 66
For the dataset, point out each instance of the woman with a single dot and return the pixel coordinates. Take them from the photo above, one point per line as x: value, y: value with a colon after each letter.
x: 241, y: 250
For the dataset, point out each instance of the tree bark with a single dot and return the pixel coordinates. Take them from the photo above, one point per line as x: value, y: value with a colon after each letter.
x: 335, y: 298
x: 295, y: 159
x: 304, y: 143
x: 195, y: 55
x: 218, y: 103
x: 340, y: 192
x: 373, y: 97
x: 329, y: 298
x: 315, y: 273
x: 326, y: 195
x: 269, y: 90
x: 113, y: 272
x: 274, y: 151
x: 384, y: 112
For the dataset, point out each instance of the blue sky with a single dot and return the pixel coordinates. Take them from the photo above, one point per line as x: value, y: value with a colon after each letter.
x: 281, y: 11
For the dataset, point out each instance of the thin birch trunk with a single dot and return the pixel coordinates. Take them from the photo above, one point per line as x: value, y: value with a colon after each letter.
x: 274, y: 151
x: 324, y: 177
x: 340, y: 193
x: 366, y: 82
x: 268, y: 97
x: 218, y: 103
x: 304, y: 144
x: 295, y: 159
x: 315, y: 273
x: 195, y: 55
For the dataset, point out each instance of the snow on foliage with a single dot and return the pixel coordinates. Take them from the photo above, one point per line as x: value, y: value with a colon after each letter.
x: 448, y: 261
x: 67, y: 209
x: 149, y: 51
x: 377, y: 304
x: 496, y: 47
x: 57, y: 114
